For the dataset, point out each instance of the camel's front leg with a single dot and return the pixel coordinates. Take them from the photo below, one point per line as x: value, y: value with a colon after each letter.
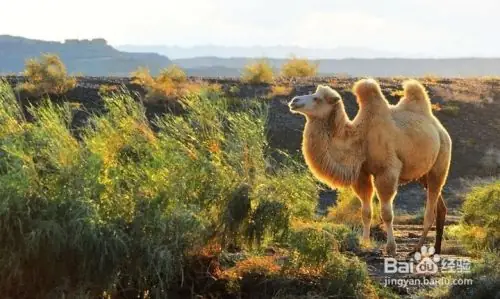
x: 363, y: 188
x: 386, y: 186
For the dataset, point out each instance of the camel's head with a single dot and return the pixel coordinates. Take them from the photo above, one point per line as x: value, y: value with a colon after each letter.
x: 319, y: 104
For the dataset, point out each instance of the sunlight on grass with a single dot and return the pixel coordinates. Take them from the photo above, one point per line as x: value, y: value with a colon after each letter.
x: 131, y: 207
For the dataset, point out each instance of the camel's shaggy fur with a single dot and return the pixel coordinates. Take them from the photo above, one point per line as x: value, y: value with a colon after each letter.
x: 383, y: 146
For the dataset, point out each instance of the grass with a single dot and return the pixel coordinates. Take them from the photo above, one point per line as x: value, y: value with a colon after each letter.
x: 125, y: 209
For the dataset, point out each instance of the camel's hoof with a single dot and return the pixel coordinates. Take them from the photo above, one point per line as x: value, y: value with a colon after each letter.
x: 390, y: 249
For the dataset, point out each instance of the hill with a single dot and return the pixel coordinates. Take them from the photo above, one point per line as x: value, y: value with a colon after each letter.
x: 97, y: 58
x: 177, y: 52
x: 88, y: 57
x: 379, y: 67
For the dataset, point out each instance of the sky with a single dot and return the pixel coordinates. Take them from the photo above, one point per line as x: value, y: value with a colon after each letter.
x: 441, y: 28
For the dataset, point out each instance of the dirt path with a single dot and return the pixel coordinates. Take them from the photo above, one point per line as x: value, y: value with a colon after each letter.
x: 407, y: 236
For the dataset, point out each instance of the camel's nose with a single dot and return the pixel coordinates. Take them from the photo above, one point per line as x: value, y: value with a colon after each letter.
x: 294, y: 103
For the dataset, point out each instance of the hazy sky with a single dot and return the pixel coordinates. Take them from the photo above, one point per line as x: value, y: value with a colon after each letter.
x: 434, y: 27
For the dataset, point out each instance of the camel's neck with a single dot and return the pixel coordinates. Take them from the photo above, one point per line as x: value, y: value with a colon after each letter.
x: 332, y: 149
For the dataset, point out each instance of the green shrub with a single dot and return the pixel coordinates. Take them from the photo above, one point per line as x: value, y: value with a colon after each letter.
x: 124, y: 207
x: 337, y: 277
x: 46, y: 76
x: 297, y: 67
x: 258, y: 72
x: 314, y: 243
x: 479, y: 227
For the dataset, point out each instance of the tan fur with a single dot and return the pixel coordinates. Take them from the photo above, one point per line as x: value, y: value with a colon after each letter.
x: 415, y: 98
x: 334, y: 156
x: 382, y: 147
x: 369, y: 95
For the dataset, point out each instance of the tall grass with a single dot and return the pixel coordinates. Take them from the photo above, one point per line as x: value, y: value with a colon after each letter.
x: 121, y: 207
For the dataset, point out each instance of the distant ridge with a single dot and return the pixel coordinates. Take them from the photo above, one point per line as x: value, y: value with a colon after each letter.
x: 88, y: 57
x: 176, y: 52
x: 379, y: 67
x: 97, y: 58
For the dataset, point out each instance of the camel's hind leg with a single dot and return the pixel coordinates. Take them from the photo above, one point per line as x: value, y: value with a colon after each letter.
x: 364, y: 190
x: 435, y: 181
x: 440, y: 218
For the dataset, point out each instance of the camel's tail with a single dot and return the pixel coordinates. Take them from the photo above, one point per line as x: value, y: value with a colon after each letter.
x: 415, y: 97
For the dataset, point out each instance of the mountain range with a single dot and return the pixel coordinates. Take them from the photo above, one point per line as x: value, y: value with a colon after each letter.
x: 97, y: 58
x: 89, y: 57
x: 176, y: 52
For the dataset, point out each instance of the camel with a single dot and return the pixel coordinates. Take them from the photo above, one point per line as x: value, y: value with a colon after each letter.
x: 382, y: 147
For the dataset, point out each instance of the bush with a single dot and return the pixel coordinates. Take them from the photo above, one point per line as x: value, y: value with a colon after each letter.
x: 124, y: 207
x: 315, y: 242
x: 258, y: 72
x: 171, y: 84
x: 279, y: 90
x: 46, y: 76
x: 339, y: 276
x: 107, y: 90
x: 296, y: 67
x: 479, y: 227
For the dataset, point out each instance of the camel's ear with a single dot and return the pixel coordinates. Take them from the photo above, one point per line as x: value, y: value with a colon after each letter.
x: 328, y: 94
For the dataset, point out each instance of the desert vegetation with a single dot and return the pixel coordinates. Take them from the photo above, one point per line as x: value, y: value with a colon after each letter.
x: 479, y: 228
x: 278, y: 90
x: 258, y: 72
x: 170, y: 84
x: 123, y: 210
x: 195, y: 203
x: 46, y: 76
x: 298, y: 67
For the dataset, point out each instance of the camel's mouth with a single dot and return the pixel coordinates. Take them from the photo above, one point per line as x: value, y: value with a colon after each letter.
x: 295, y: 106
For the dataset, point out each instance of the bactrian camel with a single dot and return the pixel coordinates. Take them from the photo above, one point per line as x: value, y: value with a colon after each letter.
x: 383, y: 146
